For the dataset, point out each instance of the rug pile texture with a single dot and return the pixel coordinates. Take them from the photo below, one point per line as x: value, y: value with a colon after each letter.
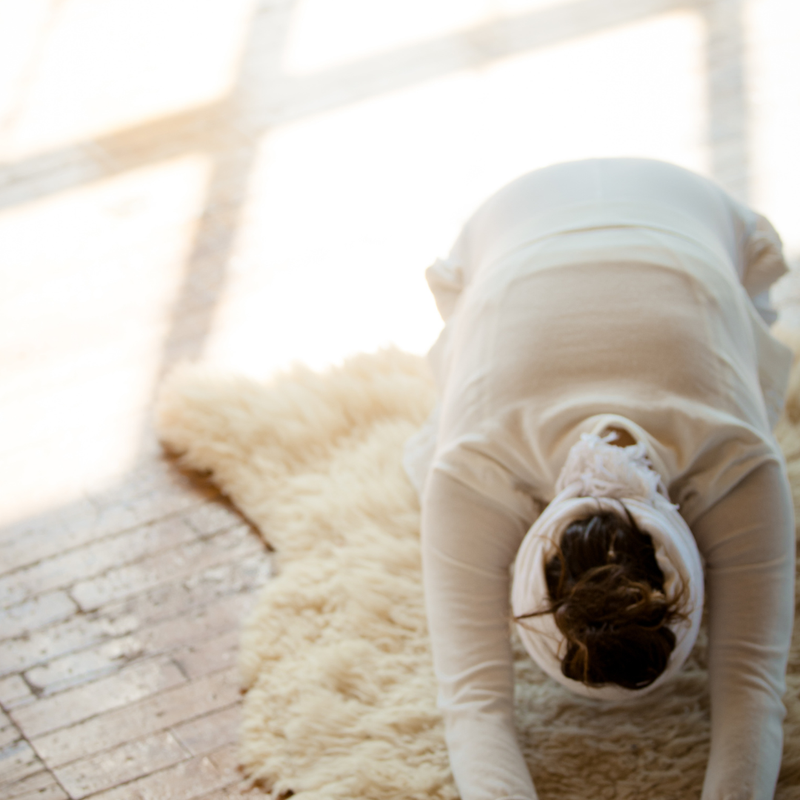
x: 340, y: 694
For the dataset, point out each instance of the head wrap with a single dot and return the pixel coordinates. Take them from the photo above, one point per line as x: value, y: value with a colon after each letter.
x: 599, y: 477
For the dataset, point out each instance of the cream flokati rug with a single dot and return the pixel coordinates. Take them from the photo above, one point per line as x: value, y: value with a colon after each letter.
x: 340, y: 699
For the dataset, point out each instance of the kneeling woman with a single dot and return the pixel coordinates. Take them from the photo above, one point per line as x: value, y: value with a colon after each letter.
x: 608, y: 388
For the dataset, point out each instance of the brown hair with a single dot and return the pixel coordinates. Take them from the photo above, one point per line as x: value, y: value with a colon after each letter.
x: 607, y: 598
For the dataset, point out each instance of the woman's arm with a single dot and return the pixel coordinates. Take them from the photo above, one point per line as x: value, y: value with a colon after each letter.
x: 467, y: 547
x: 748, y: 541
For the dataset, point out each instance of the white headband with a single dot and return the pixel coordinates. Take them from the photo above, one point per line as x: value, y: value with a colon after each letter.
x: 596, y: 477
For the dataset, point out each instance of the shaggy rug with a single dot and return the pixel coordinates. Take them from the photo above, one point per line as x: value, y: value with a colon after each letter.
x: 340, y: 695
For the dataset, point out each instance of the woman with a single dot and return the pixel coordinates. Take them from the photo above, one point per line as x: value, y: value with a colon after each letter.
x: 608, y: 388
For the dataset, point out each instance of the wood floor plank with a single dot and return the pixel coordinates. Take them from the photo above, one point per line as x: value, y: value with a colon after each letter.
x: 211, y: 732
x: 9, y: 733
x: 140, y: 679
x: 17, y: 761
x: 185, y: 781
x: 61, y: 570
x: 121, y: 765
x: 191, y: 639
x: 154, y: 714
x: 14, y: 691
x: 127, y: 617
x: 85, y: 522
x: 39, y: 786
x: 78, y: 631
x: 36, y: 613
x: 209, y: 655
x: 165, y: 567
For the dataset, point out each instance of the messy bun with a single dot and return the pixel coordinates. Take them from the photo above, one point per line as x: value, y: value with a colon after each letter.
x: 607, y: 598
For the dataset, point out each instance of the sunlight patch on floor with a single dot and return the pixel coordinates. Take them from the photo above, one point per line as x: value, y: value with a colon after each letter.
x: 346, y: 209
x: 83, y: 317
x: 774, y: 69
x: 87, y: 67
x: 326, y: 34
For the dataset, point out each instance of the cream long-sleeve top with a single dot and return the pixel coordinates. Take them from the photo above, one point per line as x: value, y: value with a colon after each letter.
x: 617, y: 293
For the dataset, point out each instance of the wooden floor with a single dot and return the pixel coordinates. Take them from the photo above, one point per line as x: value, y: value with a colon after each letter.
x: 119, y: 648
x: 229, y: 180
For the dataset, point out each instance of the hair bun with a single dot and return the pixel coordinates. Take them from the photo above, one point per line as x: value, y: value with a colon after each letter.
x: 608, y: 601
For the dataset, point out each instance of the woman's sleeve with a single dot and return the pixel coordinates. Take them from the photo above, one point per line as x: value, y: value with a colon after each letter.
x: 467, y: 547
x: 448, y: 277
x: 748, y: 541
x: 764, y: 262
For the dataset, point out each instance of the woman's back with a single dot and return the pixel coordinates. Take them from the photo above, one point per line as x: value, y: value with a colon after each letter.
x: 601, y: 307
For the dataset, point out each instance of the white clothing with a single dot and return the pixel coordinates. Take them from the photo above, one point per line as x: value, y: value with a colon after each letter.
x: 601, y: 477
x: 589, y: 295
